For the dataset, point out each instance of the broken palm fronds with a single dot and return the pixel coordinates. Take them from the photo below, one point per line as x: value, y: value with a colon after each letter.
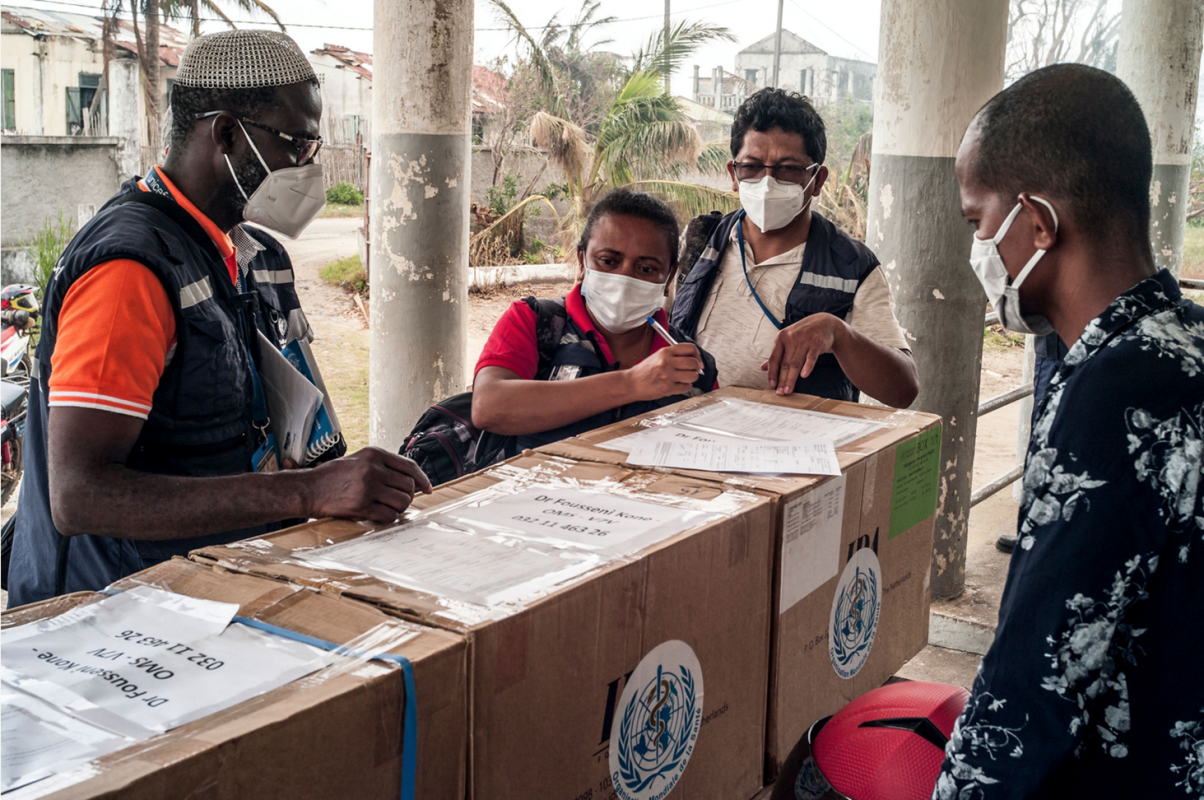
x: 495, y: 244
x: 689, y: 199
x: 845, y: 195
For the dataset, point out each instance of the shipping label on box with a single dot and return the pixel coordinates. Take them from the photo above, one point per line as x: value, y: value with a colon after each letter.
x: 852, y: 552
x: 92, y: 681
x: 618, y: 620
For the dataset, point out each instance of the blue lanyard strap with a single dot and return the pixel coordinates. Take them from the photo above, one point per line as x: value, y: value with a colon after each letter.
x: 744, y: 264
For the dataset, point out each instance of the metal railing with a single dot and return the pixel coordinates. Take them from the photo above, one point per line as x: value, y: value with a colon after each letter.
x: 1019, y: 393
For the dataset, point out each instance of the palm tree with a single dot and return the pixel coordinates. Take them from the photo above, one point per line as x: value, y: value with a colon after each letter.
x: 152, y: 13
x: 638, y: 136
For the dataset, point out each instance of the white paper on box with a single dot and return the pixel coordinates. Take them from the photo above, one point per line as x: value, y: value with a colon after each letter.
x: 39, y: 740
x: 588, y: 518
x: 464, y: 565
x: 761, y: 422
x: 811, y: 527
x: 794, y: 458
x: 146, y: 661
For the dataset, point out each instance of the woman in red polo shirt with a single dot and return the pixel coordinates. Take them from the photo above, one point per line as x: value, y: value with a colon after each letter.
x: 609, y: 363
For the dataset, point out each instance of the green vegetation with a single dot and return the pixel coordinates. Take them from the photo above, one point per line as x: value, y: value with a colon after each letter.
x: 605, y: 121
x: 338, y: 210
x: 501, y: 198
x: 1193, y: 249
x: 347, y: 273
x: 46, y: 246
x: 344, y: 194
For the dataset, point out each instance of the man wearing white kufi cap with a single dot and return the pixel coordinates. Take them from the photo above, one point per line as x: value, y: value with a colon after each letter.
x: 149, y: 433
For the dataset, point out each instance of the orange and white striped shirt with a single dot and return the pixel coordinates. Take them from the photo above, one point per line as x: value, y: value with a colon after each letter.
x: 117, y: 330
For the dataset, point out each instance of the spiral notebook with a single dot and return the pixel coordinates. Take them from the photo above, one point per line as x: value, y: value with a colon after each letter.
x: 299, y: 407
x: 326, y: 430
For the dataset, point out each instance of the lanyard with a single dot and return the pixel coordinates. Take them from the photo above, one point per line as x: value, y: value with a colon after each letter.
x: 744, y: 264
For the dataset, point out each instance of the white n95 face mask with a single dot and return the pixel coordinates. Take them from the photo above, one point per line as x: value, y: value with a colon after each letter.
x: 619, y: 303
x: 771, y: 204
x: 287, y: 200
x: 1003, y: 293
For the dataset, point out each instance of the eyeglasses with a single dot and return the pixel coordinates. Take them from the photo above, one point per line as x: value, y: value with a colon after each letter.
x: 786, y: 173
x: 307, y: 149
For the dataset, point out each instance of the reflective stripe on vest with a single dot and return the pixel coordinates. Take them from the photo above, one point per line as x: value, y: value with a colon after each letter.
x: 195, y: 293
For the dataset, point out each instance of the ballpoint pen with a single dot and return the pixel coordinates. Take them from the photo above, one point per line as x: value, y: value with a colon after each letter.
x: 656, y: 326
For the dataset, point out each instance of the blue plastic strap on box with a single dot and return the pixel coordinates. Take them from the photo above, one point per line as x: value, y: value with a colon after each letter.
x: 409, y: 728
x: 409, y: 744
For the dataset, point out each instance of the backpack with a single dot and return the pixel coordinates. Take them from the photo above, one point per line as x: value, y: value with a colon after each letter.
x: 444, y: 441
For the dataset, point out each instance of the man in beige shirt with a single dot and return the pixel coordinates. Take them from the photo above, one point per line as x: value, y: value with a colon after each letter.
x: 778, y: 294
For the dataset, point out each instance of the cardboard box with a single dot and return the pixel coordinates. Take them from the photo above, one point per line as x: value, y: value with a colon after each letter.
x: 888, y: 507
x: 336, y: 733
x: 557, y: 678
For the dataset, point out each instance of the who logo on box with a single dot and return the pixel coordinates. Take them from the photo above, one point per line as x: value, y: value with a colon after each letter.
x: 855, y: 611
x: 661, y: 714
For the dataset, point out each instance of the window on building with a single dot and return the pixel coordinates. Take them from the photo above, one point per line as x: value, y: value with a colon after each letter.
x: 750, y: 75
x: 79, y: 105
x: 863, y: 86
x: 10, y: 100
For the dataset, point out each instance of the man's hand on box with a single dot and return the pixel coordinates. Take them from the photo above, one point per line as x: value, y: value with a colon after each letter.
x: 798, y: 346
x: 669, y: 371
x: 371, y: 484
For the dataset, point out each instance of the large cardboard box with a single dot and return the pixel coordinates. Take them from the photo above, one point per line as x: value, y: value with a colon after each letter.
x: 825, y: 581
x: 334, y: 734
x: 663, y: 651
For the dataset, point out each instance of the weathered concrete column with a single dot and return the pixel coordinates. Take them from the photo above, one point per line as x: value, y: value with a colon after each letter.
x: 1159, y: 58
x: 938, y: 62
x: 421, y: 147
x: 123, y: 115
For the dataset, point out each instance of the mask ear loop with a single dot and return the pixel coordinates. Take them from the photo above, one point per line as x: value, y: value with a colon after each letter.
x: 254, y: 149
x: 1005, y: 227
x: 1037, y: 256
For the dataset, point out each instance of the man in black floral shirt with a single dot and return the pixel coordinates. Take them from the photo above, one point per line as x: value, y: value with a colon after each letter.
x: 1094, y: 686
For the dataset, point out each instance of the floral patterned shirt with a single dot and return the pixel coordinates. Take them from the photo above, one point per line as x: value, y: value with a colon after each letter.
x: 1094, y: 686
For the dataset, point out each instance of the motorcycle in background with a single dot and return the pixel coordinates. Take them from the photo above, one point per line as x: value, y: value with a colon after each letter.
x: 18, y: 319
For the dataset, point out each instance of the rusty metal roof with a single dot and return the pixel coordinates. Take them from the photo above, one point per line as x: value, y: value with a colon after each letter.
x: 488, y: 87
x: 42, y: 22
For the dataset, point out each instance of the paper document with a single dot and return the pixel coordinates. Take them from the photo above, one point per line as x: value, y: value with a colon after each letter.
x: 794, y: 458
x: 592, y: 519
x: 138, y: 663
x: 744, y: 419
x: 811, y: 541
x: 40, y: 741
x: 292, y: 401
x: 462, y: 565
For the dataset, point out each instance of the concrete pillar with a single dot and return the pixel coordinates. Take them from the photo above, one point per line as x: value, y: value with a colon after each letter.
x: 696, y: 81
x: 1159, y: 58
x: 421, y: 148
x: 124, y: 78
x: 938, y: 62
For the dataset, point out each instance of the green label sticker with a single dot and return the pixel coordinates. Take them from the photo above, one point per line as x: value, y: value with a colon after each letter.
x: 917, y: 468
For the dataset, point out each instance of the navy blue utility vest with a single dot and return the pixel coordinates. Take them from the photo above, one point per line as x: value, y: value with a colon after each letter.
x: 579, y: 355
x: 834, y: 267
x: 200, y: 419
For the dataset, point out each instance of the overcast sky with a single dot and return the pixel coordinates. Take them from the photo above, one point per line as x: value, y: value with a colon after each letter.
x: 848, y: 28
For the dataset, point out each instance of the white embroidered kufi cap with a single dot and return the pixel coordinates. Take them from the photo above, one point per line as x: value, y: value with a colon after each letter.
x: 243, y: 59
